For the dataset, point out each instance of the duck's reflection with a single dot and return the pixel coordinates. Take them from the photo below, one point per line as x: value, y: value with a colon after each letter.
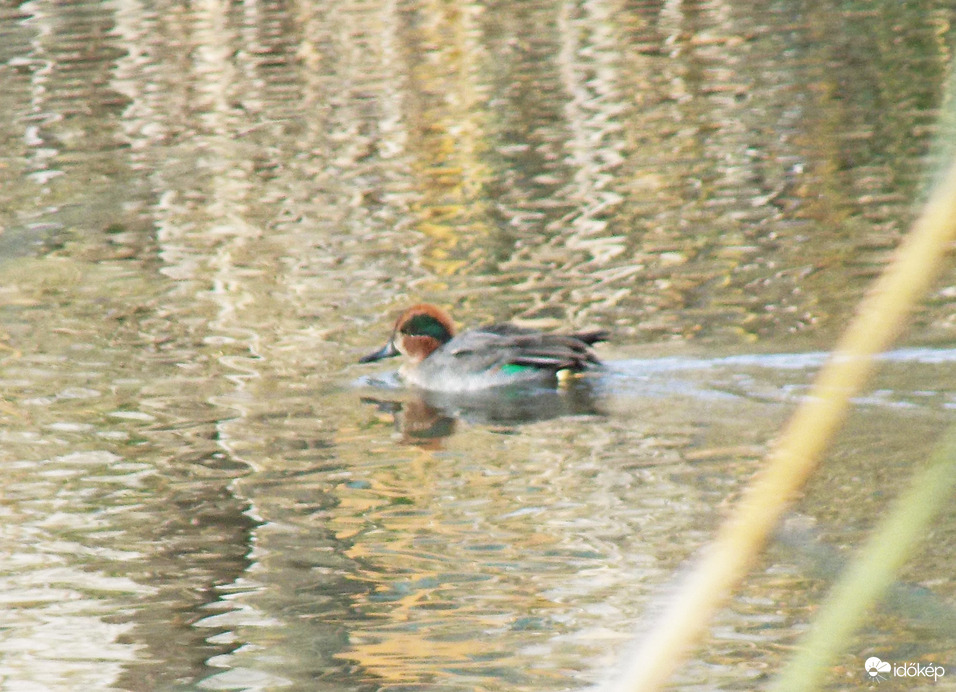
x: 423, y: 416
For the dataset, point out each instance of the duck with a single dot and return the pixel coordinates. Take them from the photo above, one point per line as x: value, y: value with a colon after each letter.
x: 497, y: 355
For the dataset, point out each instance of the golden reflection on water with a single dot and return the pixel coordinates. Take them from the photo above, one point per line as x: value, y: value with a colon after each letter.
x: 447, y: 133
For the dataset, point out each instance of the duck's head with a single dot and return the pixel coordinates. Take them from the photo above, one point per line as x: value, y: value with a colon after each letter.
x: 418, y: 332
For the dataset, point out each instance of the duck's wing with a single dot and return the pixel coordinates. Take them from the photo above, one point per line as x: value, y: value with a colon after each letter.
x: 508, y: 329
x: 592, y: 337
x: 554, y: 352
x: 508, y: 344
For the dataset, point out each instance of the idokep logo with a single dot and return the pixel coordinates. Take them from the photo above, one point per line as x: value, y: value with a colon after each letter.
x: 881, y: 670
x: 876, y: 668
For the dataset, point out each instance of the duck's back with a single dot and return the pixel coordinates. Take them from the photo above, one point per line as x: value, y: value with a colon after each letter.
x: 503, y: 355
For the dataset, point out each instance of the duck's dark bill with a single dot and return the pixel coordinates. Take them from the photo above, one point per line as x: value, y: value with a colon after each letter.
x: 387, y: 351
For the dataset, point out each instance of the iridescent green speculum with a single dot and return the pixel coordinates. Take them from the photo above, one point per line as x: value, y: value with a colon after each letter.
x: 513, y: 368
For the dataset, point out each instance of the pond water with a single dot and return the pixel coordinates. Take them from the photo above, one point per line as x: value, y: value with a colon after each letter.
x: 210, y: 210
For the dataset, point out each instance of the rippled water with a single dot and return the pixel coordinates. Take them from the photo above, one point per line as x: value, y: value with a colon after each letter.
x: 210, y: 210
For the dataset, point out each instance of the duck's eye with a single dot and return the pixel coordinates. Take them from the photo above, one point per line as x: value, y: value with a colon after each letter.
x: 425, y: 325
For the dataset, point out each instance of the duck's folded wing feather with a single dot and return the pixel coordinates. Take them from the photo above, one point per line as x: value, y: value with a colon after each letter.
x: 510, y: 345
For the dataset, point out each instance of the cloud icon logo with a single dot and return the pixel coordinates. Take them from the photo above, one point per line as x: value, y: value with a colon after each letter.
x: 874, y: 667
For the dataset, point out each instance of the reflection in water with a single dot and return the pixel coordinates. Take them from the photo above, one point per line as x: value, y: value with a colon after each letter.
x: 422, y: 415
x: 203, y: 207
x: 418, y: 422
